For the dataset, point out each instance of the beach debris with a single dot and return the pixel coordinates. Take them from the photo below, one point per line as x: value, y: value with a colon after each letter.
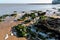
x: 11, y: 34
x: 6, y: 37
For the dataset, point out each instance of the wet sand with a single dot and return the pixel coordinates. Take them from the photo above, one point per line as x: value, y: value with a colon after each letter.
x: 5, y: 28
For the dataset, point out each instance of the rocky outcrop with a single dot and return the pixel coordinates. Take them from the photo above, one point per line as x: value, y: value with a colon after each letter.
x: 56, y: 1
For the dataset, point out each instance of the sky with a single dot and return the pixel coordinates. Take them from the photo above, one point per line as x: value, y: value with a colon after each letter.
x: 25, y: 1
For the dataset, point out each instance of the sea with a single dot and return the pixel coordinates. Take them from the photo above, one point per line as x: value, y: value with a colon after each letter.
x: 9, y: 8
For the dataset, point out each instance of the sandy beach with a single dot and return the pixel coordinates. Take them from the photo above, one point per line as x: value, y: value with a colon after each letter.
x: 5, y: 28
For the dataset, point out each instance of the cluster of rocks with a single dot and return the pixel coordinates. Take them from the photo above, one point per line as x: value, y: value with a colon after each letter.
x: 51, y: 25
x: 43, y: 25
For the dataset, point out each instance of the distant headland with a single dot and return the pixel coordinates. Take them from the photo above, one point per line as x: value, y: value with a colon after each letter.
x: 56, y: 2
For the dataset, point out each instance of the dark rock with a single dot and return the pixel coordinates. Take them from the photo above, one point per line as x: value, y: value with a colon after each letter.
x: 56, y: 1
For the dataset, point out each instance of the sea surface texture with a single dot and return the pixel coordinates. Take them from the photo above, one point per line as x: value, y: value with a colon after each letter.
x: 9, y: 8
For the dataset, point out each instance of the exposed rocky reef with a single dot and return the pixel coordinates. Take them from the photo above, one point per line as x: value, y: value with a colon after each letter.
x: 35, y: 26
x: 42, y: 27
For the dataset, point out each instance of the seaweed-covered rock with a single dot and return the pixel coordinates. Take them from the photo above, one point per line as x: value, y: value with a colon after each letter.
x: 21, y: 30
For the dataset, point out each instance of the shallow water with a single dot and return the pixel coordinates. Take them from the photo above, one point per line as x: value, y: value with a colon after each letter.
x: 9, y: 8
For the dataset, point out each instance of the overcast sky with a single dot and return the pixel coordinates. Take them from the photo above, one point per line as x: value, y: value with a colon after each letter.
x: 25, y: 1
